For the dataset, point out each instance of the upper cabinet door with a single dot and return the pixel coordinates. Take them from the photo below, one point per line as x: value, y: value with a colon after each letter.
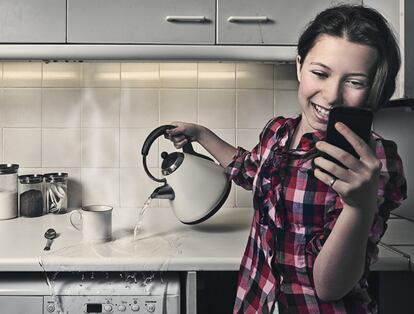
x: 32, y: 21
x: 266, y: 22
x: 141, y: 21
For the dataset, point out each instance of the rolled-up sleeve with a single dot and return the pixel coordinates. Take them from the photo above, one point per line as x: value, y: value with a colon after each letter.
x: 243, y: 168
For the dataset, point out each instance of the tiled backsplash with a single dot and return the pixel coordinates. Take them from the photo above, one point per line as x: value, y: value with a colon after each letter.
x: 90, y: 119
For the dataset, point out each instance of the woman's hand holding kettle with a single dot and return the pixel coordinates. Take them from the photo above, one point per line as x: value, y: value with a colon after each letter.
x: 185, y: 132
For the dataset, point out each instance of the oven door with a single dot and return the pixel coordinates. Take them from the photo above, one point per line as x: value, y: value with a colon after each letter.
x: 21, y: 304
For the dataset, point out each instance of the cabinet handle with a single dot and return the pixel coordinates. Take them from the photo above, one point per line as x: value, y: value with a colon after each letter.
x: 181, y: 18
x: 248, y: 19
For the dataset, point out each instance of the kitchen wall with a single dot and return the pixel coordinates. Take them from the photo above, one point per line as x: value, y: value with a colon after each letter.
x: 90, y: 119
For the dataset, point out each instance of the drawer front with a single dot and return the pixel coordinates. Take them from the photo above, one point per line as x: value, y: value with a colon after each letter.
x: 28, y: 21
x: 265, y: 22
x: 143, y: 21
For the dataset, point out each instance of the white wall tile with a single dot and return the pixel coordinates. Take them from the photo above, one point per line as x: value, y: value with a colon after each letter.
x: 101, y: 74
x: 178, y: 75
x: 22, y: 74
x: 248, y: 138
x: 254, y: 108
x: 178, y: 105
x: 136, y: 187
x: 216, y: 75
x: 61, y: 107
x: 100, y: 186
x: 24, y: 170
x: 62, y: 74
x: 140, y: 75
x: 1, y: 76
x: 227, y: 135
x: 104, y: 125
x: 1, y: 146
x: 100, y: 147
x: 22, y: 146
x: 61, y: 148
x: 285, y: 77
x: 139, y: 108
x: 132, y: 140
x: 21, y: 107
x: 217, y: 108
x: 100, y: 107
x: 286, y: 103
x: 251, y: 75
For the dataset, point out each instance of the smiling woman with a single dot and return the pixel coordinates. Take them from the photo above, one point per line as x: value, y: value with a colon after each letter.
x: 314, y: 235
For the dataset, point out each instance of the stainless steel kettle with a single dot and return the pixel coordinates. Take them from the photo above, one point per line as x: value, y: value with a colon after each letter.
x: 197, y: 187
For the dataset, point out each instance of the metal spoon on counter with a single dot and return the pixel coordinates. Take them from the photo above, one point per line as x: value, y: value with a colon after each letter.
x: 50, y: 234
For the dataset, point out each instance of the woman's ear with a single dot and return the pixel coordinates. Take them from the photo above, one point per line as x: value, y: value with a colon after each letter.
x: 298, y: 67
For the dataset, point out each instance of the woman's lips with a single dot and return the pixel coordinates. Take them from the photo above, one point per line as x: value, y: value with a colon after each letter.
x: 320, y: 112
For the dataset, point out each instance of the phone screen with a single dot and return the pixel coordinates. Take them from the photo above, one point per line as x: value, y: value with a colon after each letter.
x: 359, y: 120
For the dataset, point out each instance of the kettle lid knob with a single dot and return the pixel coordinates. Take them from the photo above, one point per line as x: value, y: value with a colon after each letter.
x: 171, y: 162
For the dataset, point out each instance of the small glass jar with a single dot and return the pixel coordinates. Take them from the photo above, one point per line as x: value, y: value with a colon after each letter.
x: 56, y: 192
x: 31, y: 195
x: 8, y: 191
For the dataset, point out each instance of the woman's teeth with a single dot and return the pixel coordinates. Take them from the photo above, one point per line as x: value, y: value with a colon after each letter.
x: 322, y: 111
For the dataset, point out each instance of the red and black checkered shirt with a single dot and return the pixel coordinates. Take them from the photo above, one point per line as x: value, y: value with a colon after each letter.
x: 294, y: 213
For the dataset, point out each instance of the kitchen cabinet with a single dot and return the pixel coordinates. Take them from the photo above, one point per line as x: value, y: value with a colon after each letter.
x: 144, y: 21
x: 265, y: 22
x: 28, y: 21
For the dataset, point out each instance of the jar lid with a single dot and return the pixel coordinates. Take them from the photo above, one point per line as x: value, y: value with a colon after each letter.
x: 56, y: 176
x: 31, y: 178
x: 8, y: 168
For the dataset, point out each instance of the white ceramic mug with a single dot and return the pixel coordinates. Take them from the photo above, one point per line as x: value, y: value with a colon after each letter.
x: 95, y: 222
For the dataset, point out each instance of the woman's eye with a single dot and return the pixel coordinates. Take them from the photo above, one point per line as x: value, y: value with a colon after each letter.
x: 356, y: 84
x: 319, y: 74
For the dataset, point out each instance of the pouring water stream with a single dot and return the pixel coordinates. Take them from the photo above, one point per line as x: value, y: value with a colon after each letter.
x: 138, y: 226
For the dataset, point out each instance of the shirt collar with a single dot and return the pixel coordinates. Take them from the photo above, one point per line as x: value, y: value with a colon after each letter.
x: 308, y: 140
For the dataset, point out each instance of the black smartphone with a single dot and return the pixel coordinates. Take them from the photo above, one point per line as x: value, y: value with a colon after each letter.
x: 359, y: 120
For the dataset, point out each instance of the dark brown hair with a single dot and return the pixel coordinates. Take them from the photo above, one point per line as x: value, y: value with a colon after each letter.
x: 360, y: 25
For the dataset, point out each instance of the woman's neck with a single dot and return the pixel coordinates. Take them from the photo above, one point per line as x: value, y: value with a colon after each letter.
x: 297, y: 135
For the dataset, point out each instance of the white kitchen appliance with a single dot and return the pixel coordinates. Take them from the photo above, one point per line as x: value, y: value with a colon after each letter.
x: 197, y: 187
x: 78, y: 293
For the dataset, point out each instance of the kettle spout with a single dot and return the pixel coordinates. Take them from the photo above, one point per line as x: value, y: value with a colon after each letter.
x: 163, y: 192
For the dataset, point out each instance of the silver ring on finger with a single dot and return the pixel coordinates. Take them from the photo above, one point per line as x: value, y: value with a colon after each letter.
x: 332, y: 182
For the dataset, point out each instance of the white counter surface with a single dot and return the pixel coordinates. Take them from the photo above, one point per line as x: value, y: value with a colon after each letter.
x: 164, y: 244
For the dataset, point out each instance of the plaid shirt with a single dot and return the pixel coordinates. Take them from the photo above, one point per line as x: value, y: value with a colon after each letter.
x: 293, y: 215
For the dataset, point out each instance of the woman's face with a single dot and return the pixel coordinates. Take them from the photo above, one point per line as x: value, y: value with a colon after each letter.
x: 334, y: 72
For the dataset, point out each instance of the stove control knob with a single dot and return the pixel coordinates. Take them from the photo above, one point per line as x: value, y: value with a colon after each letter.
x: 135, y: 307
x: 121, y: 308
x: 151, y: 308
x: 108, y: 308
x: 51, y: 308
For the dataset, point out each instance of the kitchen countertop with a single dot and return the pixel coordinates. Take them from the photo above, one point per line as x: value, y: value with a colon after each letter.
x: 163, y: 244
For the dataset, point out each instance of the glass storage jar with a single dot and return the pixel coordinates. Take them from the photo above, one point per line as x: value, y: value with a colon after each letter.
x: 8, y: 191
x: 31, y: 195
x: 56, y: 192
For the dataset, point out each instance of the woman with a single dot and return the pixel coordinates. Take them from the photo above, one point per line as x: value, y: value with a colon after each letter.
x: 316, y: 225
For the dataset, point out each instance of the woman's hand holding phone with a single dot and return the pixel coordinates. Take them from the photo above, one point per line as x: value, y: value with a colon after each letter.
x: 356, y: 180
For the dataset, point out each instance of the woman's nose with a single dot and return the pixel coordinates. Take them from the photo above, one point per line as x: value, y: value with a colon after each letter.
x: 332, y: 92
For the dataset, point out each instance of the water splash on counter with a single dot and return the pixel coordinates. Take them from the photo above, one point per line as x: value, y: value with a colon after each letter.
x: 51, y: 284
x: 138, y: 226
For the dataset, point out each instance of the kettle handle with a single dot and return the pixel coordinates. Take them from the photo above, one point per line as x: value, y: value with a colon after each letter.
x: 147, y: 144
x: 161, y: 130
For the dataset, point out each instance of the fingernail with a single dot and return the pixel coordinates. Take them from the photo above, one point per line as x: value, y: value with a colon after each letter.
x: 339, y: 125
